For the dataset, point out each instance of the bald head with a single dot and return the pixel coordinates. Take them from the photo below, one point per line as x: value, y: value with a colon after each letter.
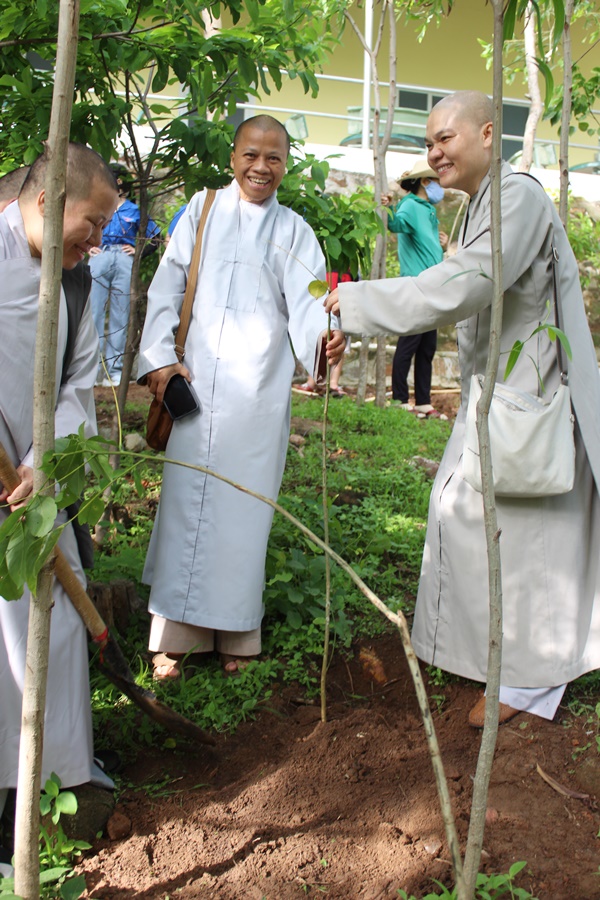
x: 458, y: 138
x: 84, y: 167
x: 472, y: 106
x: 91, y: 199
x: 262, y: 123
x: 10, y: 186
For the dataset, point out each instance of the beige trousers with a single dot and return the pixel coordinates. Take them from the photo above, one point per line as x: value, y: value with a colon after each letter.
x: 178, y: 637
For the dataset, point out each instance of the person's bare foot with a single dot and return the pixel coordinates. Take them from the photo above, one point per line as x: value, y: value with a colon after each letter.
x: 167, y: 666
x: 233, y: 665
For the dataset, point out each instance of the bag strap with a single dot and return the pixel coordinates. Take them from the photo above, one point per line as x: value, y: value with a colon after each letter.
x: 190, y: 288
x: 564, y: 378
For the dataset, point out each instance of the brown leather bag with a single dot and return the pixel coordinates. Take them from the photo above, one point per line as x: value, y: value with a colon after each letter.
x: 159, y: 422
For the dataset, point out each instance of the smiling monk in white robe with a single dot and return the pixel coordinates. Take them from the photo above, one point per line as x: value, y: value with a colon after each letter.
x: 206, y: 560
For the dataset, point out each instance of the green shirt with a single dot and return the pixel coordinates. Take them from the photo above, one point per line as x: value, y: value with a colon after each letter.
x: 415, y: 222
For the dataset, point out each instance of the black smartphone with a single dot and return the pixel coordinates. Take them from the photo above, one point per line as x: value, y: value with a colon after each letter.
x: 180, y: 399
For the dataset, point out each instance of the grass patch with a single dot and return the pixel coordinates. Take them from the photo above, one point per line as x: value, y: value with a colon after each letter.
x: 378, y: 508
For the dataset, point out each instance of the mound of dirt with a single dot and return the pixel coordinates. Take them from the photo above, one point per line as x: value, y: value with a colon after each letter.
x: 291, y: 808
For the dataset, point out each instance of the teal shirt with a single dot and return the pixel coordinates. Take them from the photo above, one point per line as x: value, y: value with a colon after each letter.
x: 415, y: 222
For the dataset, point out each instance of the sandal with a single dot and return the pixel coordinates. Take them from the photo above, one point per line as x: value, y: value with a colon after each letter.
x: 235, y: 665
x: 337, y: 392
x: 398, y: 404
x: 171, y: 662
x: 307, y: 389
x: 431, y: 413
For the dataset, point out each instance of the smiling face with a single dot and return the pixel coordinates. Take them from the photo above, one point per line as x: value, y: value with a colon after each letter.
x: 458, y: 149
x: 258, y: 162
x: 84, y: 219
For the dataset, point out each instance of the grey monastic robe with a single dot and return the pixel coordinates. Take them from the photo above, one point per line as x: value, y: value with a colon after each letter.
x: 68, y: 723
x: 549, y: 547
x: 207, y: 554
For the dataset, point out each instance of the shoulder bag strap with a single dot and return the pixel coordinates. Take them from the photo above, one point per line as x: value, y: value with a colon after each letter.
x: 190, y: 288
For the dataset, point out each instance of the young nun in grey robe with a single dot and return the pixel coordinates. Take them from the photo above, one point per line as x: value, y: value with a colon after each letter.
x: 549, y: 546
x: 67, y: 724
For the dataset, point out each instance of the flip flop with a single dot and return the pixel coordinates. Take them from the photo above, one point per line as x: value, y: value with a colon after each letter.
x: 337, y: 393
x: 432, y: 414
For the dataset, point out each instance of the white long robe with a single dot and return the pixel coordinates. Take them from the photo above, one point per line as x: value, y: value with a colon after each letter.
x: 207, y: 554
x: 549, y: 547
x: 68, y: 725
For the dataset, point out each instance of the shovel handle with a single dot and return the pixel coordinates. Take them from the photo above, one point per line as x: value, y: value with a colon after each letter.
x: 63, y: 571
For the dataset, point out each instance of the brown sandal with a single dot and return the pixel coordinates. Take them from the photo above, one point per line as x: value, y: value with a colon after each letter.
x: 171, y: 662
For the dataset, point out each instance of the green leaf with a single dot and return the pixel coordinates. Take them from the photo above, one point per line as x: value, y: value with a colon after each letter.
x: 91, y: 511
x: 9, y: 589
x: 51, y: 787
x: 159, y: 82
x: 73, y: 888
x: 66, y: 803
x: 513, y: 356
x: 252, y: 8
x: 559, y: 22
x: 294, y: 618
x: 40, y: 516
x: 564, y: 341
x: 548, y: 79
x: 318, y: 289
x: 318, y: 174
x: 510, y: 17
x: 334, y: 249
x: 49, y: 876
x: 247, y: 70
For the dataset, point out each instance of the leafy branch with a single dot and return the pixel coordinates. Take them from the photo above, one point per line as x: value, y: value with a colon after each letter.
x: 553, y: 333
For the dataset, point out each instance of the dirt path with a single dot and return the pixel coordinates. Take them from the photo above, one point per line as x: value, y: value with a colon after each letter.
x: 290, y: 808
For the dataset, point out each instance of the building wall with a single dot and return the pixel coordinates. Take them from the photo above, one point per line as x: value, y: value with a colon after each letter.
x: 448, y: 58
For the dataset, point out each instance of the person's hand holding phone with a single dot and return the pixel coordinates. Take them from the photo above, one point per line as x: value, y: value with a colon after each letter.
x: 180, y: 399
x: 159, y: 378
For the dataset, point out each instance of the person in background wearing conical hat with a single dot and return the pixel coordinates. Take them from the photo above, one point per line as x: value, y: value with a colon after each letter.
x: 420, y: 245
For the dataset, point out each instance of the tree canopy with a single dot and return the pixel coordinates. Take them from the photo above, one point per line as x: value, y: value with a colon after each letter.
x: 130, y: 51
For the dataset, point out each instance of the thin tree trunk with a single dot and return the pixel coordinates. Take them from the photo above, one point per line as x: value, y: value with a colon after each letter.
x: 38, y: 640
x: 380, y: 146
x: 533, y: 87
x: 565, y: 121
x: 492, y: 534
x: 144, y: 172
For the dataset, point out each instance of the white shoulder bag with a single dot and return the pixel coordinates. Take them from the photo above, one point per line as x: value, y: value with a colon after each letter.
x: 532, y: 441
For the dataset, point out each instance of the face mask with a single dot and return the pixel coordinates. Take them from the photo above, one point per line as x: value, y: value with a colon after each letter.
x: 434, y: 191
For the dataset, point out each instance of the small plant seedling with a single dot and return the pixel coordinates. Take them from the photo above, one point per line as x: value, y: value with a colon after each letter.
x: 57, y: 852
